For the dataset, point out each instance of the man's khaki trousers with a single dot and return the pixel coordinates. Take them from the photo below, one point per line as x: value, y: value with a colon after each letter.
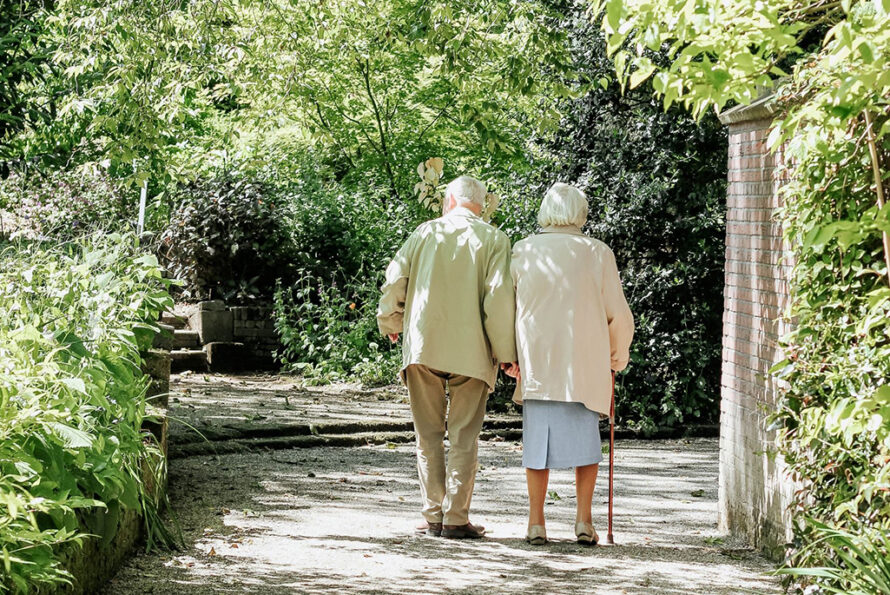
x: 446, y: 489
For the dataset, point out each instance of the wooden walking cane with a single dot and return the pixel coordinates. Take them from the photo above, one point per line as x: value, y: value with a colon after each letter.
x: 609, y: 538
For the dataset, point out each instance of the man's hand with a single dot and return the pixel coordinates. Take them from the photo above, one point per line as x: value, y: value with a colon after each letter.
x: 393, y: 337
x: 511, y: 370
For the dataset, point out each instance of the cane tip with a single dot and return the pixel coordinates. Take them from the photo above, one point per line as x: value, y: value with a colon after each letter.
x: 609, y: 539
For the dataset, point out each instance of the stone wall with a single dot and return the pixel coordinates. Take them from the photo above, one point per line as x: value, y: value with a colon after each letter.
x: 754, y: 490
x: 255, y: 327
x: 236, y: 338
x: 97, y: 561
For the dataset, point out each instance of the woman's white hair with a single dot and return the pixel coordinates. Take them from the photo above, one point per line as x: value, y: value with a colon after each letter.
x: 563, y: 204
x: 467, y: 189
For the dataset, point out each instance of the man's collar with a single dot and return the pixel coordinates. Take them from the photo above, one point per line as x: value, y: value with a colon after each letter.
x: 461, y: 212
x: 570, y: 229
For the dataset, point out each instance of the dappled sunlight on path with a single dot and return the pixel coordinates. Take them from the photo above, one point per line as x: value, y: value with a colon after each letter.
x: 340, y: 520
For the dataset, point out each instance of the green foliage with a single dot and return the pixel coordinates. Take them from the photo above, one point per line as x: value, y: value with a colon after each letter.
x: 226, y: 239
x: 656, y: 185
x: 23, y: 58
x: 155, y: 71
x: 719, y: 52
x: 63, y: 205
x: 864, y: 567
x: 834, y: 417
x: 387, y: 83
x: 326, y: 313
x: 72, y: 397
x: 329, y: 331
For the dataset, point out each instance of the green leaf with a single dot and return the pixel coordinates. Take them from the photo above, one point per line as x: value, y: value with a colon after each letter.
x: 644, y: 70
x: 75, y: 384
x: 71, y: 437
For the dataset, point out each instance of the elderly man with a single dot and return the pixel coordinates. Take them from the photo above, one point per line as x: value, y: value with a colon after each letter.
x: 449, y: 290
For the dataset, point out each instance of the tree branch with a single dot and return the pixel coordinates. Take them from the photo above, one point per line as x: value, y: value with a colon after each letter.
x: 879, y: 185
x: 365, y: 70
x: 436, y: 118
x: 324, y: 123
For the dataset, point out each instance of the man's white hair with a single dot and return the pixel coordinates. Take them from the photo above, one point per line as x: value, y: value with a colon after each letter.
x: 467, y: 189
x: 563, y: 204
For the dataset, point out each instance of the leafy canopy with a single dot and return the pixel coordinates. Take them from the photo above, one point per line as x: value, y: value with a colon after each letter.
x: 833, y: 120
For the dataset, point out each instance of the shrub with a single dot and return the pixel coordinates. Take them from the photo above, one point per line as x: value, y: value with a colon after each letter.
x: 329, y: 331
x: 64, y: 204
x: 326, y: 312
x: 656, y: 182
x: 226, y: 239
x: 72, y: 397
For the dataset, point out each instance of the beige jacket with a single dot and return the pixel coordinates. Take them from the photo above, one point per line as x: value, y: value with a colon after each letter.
x: 448, y: 290
x: 572, y: 322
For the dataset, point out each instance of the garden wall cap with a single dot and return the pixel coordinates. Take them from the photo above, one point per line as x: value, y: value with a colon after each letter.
x: 762, y: 108
x: 213, y: 305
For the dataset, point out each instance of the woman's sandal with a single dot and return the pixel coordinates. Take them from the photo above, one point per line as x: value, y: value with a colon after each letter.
x: 537, y: 535
x: 586, y: 534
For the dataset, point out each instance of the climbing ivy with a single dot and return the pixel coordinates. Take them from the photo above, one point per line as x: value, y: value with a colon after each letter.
x: 833, y: 420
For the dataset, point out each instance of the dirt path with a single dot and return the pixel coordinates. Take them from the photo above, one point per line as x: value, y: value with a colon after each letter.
x: 340, y: 520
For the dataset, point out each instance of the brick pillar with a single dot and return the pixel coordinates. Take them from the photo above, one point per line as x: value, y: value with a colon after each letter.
x: 754, y: 489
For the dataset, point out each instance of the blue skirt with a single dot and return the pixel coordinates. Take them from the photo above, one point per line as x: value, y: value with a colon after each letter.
x: 558, y: 435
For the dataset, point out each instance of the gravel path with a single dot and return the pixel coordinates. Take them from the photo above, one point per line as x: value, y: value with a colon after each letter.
x: 340, y: 520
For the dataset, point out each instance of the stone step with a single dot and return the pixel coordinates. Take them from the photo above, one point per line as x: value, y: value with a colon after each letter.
x: 186, y: 339
x: 164, y: 338
x: 188, y: 359
x: 174, y: 320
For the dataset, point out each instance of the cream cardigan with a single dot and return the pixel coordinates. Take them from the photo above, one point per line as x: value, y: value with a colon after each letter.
x: 573, y: 324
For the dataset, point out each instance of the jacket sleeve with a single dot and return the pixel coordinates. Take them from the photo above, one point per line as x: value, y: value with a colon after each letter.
x: 498, y: 303
x: 618, y: 314
x: 391, y: 309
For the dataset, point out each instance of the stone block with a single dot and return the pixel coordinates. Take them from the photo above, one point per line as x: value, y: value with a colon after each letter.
x: 186, y: 339
x: 212, y: 306
x: 213, y: 325
x: 156, y: 365
x: 164, y: 339
x: 188, y: 359
x: 174, y: 320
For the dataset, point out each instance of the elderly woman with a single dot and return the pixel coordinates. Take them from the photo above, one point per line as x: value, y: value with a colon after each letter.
x: 573, y: 331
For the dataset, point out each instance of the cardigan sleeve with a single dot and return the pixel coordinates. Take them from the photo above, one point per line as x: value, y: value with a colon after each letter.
x: 618, y: 314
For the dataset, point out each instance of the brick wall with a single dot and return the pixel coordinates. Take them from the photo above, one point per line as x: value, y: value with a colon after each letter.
x: 255, y: 327
x: 754, y: 490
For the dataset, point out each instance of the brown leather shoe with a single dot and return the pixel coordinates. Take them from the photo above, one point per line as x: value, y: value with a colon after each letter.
x: 468, y: 531
x: 425, y: 528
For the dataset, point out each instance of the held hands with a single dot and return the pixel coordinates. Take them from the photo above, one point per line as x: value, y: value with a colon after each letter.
x: 393, y: 337
x: 511, y: 370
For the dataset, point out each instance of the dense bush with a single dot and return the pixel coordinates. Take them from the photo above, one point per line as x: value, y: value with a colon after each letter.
x: 834, y: 415
x: 329, y: 330
x: 63, y: 204
x: 326, y: 314
x: 656, y: 182
x: 73, y: 320
x: 226, y: 239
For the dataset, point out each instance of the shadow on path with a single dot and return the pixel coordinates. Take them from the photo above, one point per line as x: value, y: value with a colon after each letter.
x: 340, y: 520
